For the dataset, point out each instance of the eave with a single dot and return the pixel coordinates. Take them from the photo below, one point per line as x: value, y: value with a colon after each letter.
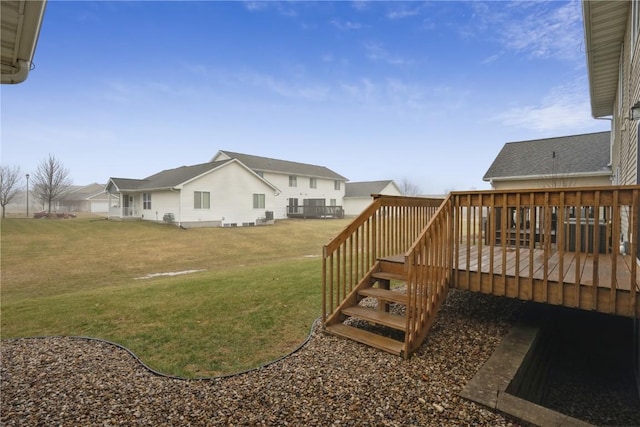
x: 21, y: 21
x: 605, y: 24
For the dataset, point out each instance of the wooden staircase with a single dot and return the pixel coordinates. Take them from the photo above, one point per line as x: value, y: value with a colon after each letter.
x: 376, y: 285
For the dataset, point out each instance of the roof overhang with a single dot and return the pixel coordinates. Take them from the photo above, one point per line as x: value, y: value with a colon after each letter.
x: 605, y: 23
x: 21, y: 21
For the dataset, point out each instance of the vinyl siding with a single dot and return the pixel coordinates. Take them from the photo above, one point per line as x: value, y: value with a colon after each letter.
x: 324, y: 190
x: 590, y: 181
x: 231, y: 189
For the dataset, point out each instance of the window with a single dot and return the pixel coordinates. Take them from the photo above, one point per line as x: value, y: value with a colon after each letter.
x: 146, y: 201
x: 258, y: 201
x: 336, y: 185
x: 201, y: 200
x: 332, y: 202
x: 313, y: 183
x: 293, y: 181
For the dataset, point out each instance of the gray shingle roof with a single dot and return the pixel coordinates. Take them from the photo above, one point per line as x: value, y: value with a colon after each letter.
x: 167, y: 178
x: 576, y: 154
x: 265, y: 164
x: 365, y: 188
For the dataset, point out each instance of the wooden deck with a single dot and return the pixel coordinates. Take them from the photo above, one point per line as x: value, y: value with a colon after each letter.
x: 577, y: 280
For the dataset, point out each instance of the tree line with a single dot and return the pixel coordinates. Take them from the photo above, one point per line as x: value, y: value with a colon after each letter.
x: 48, y: 183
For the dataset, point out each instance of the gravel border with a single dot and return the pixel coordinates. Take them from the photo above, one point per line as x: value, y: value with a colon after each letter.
x: 328, y: 381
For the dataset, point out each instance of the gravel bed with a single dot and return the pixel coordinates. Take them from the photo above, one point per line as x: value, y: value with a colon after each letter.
x: 330, y: 381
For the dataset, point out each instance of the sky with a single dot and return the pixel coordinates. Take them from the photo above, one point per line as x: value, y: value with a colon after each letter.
x: 419, y: 92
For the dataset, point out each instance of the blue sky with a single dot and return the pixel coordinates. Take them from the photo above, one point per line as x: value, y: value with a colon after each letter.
x: 427, y: 92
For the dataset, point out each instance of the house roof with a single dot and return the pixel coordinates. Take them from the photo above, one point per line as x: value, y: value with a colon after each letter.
x: 172, y: 178
x: 83, y: 192
x: 365, y: 188
x: 575, y: 155
x: 605, y: 23
x: 168, y: 178
x: 20, y: 27
x: 266, y: 164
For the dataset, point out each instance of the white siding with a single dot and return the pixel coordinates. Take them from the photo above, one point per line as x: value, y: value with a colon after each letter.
x: 324, y: 190
x: 231, y: 188
x: 162, y: 202
x: 353, y: 206
x: 589, y: 181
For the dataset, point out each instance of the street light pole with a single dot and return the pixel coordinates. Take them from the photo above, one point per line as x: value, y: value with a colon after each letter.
x: 27, y: 175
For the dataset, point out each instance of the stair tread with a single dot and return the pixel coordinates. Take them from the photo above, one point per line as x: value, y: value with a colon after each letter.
x: 384, y: 294
x: 377, y: 316
x: 389, y: 276
x: 369, y: 338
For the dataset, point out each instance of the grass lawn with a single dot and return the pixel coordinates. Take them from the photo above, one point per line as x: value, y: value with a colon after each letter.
x: 253, y: 298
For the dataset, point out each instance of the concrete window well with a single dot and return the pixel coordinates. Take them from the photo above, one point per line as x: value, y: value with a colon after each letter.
x: 563, y: 367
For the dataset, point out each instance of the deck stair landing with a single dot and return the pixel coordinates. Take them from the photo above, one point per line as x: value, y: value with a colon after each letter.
x: 377, y: 285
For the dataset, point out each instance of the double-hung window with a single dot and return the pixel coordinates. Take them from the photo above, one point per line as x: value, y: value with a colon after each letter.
x: 336, y: 185
x: 201, y: 200
x: 146, y: 201
x: 258, y: 201
x: 293, y: 181
x: 313, y: 183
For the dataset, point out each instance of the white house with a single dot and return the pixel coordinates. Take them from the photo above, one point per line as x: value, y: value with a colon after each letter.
x: 358, y: 195
x: 220, y: 193
x: 304, y: 190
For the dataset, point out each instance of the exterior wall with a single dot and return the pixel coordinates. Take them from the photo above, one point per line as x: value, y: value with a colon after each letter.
x: 624, y: 149
x: 550, y: 183
x: 325, y: 190
x: 353, y: 206
x: 231, y: 189
x: 162, y: 202
x: 625, y: 143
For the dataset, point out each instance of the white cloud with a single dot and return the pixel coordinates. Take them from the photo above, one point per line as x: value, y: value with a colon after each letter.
x: 566, y: 107
x: 346, y: 25
x: 306, y: 91
x: 546, y: 29
x: 254, y: 6
x: 377, y: 52
x: 402, y: 12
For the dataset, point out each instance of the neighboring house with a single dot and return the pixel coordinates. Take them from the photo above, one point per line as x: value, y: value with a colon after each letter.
x: 567, y: 161
x: 304, y: 190
x: 90, y: 198
x: 358, y: 195
x: 219, y: 193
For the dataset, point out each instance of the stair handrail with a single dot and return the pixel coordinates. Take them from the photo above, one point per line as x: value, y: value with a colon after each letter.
x: 428, y: 263
x: 388, y: 226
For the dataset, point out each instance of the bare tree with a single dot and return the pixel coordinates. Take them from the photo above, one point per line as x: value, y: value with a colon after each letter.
x: 9, y: 180
x: 408, y: 188
x: 51, y: 180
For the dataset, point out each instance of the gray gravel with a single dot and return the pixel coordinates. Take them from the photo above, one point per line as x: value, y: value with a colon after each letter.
x: 330, y: 381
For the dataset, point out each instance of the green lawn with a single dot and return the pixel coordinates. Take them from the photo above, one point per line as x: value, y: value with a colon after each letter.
x: 253, y: 298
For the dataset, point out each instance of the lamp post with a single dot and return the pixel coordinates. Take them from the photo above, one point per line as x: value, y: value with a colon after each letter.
x: 27, y: 175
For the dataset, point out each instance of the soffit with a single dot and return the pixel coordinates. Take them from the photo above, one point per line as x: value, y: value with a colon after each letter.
x: 20, y: 26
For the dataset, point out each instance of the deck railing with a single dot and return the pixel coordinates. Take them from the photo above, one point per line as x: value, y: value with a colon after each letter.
x: 429, y: 266
x: 564, y: 246
x: 387, y: 227
x: 575, y: 247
